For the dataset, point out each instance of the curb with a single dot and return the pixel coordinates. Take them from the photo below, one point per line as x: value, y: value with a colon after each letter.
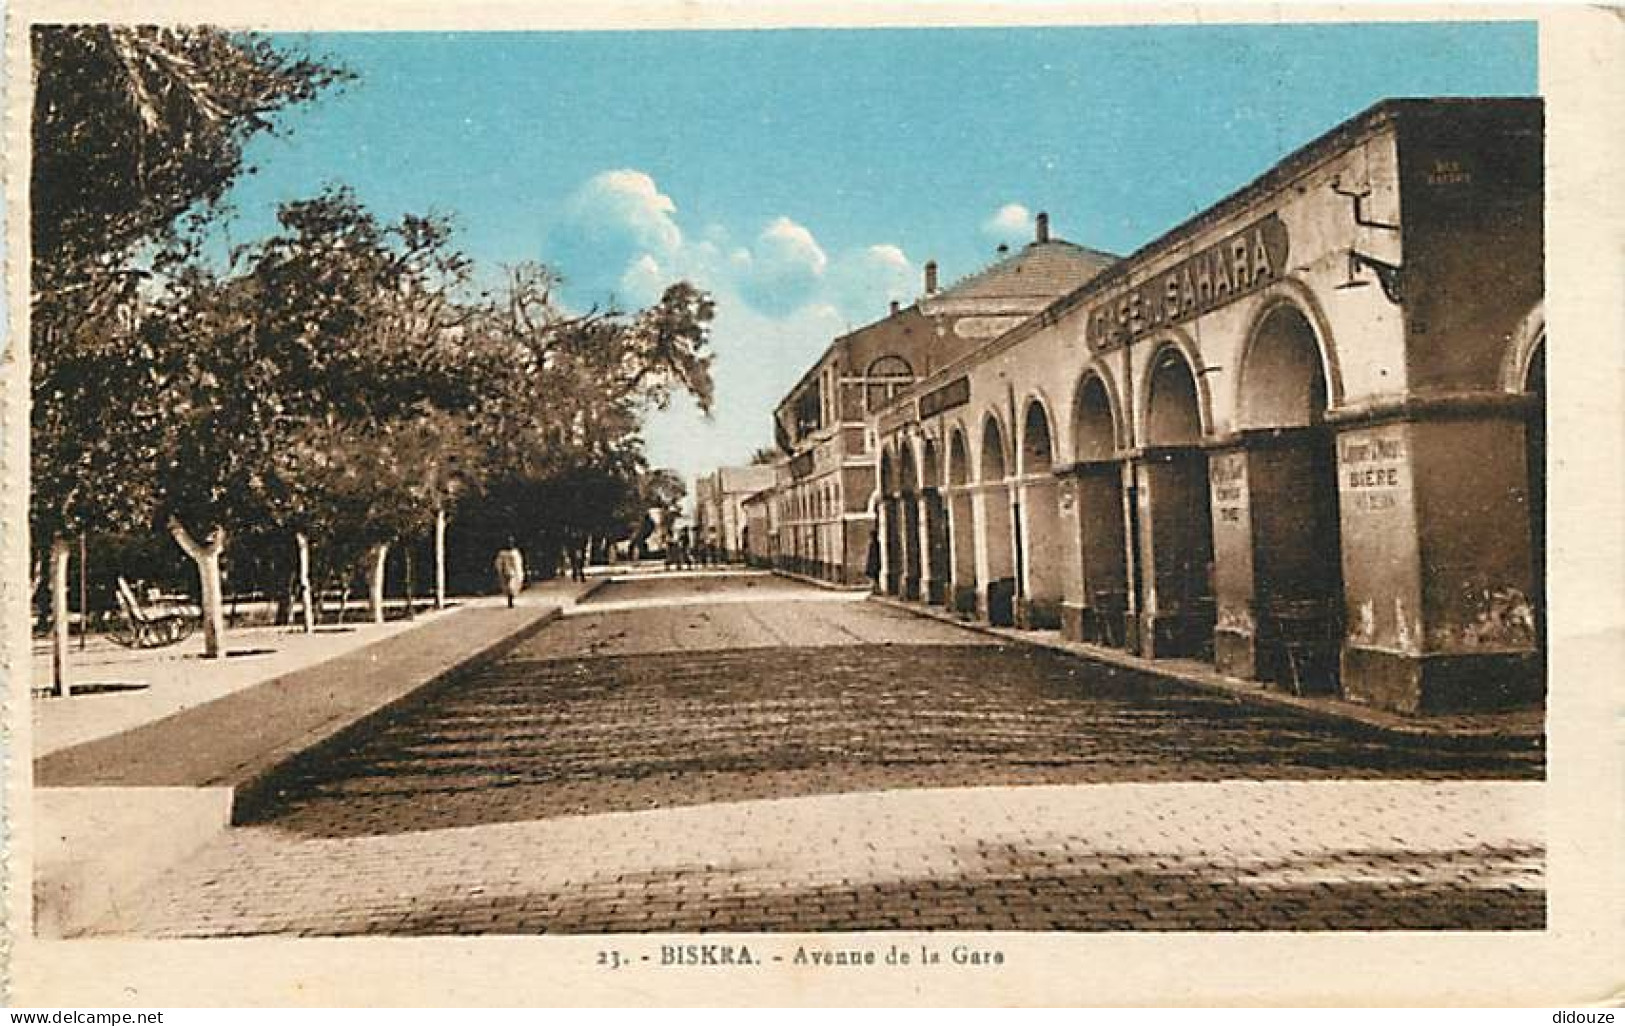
x: 253, y: 798
x: 1354, y: 719
x: 821, y: 583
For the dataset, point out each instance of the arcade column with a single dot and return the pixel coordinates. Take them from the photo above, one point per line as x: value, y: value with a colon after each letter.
x: 1437, y: 559
x: 1097, y: 589
x: 1046, y: 551
x: 995, y: 557
x: 1277, y: 579
x: 961, y: 596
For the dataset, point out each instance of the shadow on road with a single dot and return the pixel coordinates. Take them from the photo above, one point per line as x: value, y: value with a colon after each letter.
x: 534, y: 738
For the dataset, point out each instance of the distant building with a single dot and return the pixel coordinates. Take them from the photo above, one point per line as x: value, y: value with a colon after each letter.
x: 719, y: 517
x: 826, y: 485
x: 759, y: 536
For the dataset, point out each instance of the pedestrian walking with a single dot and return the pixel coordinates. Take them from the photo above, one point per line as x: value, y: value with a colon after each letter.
x: 510, y: 567
x: 871, y: 564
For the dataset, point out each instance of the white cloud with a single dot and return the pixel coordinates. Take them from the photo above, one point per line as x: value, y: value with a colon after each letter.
x: 606, y: 228
x: 1009, y: 223
x: 863, y: 281
x: 782, y: 271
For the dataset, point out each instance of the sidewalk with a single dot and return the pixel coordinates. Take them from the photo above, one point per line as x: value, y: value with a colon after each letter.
x: 114, y: 689
x: 239, y: 723
x: 153, y: 778
x: 1523, y: 725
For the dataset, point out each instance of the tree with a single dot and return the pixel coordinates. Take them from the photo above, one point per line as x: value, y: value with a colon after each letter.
x: 302, y: 385
x: 561, y: 425
x: 137, y: 134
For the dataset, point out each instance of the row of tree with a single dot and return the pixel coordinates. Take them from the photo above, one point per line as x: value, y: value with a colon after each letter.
x: 316, y: 397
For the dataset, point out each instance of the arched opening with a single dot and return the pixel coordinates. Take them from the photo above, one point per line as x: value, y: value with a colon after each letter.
x: 1535, y: 460
x: 1280, y: 583
x: 1040, y: 550
x: 1094, y: 425
x: 961, y: 596
x: 1098, y: 488
x: 1037, y: 452
x: 1173, y: 527
x: 908, y: 519
x: 935, y: 570
x: 997, y: 600
x: 992, y: 466
x: 1173, y: 414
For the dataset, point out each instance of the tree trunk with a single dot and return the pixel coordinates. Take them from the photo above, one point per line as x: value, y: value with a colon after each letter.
x: 375, y: 582
x: 59, y: 615
x: 307, y: 608
x: 207, y: 558
x: 406, y: 577
x: 440, y: 559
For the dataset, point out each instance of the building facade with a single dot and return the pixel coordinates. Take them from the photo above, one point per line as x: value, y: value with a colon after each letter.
x: 1299, y: 436
x: 826, y: 483
x: 719, y: 497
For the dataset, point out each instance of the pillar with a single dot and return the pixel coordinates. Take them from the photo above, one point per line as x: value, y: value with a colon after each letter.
x: 1437, y: 561
x: 995, y: 555
x: 1097, y: 599
x: 1045, y: 552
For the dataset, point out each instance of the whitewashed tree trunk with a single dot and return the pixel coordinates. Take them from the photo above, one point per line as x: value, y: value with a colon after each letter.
x: 307, y: 604
x: 207, y: 558
x: 59, y: 615
x: 440, y: 559
x: 375, y: 582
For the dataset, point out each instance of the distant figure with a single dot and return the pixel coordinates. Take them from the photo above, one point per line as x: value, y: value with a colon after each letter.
x: 871, y: 564
x: 510, y: 564
x: 577, y: 555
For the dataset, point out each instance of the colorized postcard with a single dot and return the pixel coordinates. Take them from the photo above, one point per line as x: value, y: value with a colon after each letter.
x: 694, y: 504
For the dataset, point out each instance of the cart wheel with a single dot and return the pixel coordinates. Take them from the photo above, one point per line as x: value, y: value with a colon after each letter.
x: 123, y: 632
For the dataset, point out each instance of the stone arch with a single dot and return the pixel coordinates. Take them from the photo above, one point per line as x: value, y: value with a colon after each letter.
x: 958, y: 457
x: 1174, y: 403
x: 992, y: 463
x: 1293, y: 293
x: 1037, y: 437
x: 1283, y: 379
x: 1097, y: 432
x: 1528, y: 341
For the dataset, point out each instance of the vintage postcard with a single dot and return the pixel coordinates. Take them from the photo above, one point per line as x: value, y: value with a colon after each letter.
x: 703, y: 504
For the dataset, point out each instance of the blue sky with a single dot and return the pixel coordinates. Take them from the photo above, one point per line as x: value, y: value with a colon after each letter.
x: 806, y: 176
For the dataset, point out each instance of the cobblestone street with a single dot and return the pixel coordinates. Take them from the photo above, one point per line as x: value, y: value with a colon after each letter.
x: 742, y: 753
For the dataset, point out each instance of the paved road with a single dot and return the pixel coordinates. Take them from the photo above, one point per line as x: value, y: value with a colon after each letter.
x: 745, y: 753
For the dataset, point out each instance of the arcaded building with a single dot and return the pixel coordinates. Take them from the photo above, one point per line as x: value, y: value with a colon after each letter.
x: 1299, y: 436
x: 825, y: 490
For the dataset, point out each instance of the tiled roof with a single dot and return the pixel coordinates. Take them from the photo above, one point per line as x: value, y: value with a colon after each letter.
x: 1034, y: 274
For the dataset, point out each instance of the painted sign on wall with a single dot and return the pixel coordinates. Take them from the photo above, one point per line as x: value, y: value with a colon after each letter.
x: 1225, y: 271
x: 1372, y: 472
x: 954, y: 393
x: 1229, y: 475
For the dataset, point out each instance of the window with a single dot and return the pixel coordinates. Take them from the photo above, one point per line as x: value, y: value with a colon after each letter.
x: 886, y: 376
